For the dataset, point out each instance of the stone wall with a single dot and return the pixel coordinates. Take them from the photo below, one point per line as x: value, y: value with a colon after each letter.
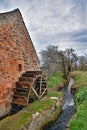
x: 17, y: 55
x: 44, y: 117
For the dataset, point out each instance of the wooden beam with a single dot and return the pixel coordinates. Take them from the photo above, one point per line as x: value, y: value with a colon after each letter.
x: 35, y: 92
x: 40, y: 86
x: 43, y: 93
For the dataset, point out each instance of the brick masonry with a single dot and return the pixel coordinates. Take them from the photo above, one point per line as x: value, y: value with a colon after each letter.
x: 17, y: 55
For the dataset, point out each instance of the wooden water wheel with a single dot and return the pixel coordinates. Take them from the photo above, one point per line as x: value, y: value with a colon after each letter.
x: 32, y: 85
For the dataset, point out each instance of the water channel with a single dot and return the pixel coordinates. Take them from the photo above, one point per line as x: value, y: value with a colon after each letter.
x: 67, y: 109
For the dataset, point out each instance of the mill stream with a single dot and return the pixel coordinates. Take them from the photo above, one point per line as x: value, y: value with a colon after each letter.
x: 67, y: 110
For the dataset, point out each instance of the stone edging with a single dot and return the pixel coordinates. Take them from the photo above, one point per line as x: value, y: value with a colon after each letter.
x: 43, y: 117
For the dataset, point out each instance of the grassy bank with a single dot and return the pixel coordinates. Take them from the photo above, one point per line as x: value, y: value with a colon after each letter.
x: 17, y: 121
x: 80, y: 120
x: 56, y: 80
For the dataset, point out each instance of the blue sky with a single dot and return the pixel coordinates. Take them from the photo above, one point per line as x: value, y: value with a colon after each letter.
x: 53, y: 22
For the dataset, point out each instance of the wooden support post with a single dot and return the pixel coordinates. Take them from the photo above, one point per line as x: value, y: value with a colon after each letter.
x: 43, y: 93
x: 35, y: 92
x: 40, y: 85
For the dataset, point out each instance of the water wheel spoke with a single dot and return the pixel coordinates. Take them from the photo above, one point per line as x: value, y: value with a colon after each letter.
x: 43, y: 93
x: 35, y: 92
x: 32, y: 93
x: 40, y: 86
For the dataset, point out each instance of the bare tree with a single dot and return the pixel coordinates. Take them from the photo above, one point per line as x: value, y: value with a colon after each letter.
x: 71, y: 59
x: 49, y: 59
x: 54, y: 60
x: 62, y: 63
x: 68, y: 59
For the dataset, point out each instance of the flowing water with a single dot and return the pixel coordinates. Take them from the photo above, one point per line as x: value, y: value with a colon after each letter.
x: 67, y: 110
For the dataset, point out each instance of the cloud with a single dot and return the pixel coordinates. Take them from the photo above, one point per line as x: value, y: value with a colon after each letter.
x: 56, y: 22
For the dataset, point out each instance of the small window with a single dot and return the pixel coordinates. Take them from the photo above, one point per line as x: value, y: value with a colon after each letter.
x: 20, y: 67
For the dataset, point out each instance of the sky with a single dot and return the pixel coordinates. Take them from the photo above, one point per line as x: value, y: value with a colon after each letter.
x: 62, y: 23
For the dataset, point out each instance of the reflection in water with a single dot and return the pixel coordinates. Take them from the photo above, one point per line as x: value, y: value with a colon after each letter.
x: 67, y: 110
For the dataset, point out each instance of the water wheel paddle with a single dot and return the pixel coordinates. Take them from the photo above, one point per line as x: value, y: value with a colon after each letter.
x: 32, y: 85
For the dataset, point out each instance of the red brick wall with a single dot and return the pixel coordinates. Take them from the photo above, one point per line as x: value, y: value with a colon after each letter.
x: 17, y: 55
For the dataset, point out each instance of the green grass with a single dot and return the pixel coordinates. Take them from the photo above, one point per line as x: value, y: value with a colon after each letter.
x: 55, y: 94
x: 56, y: 80
x: 17, y: 121
x: 80, y: 78
x: 80, y: 121
x: 81, y: 96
